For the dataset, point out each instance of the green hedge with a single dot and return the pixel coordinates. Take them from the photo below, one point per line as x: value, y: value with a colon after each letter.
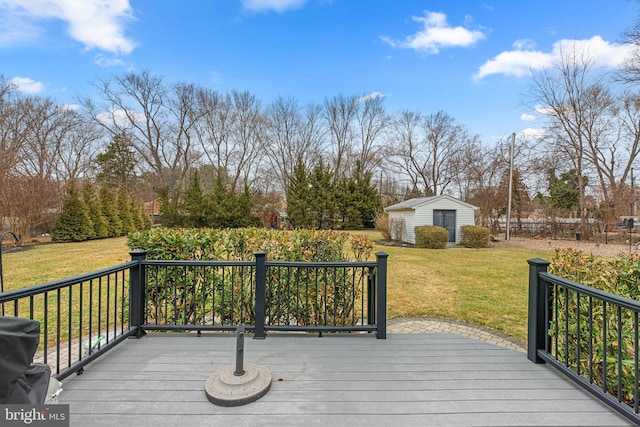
x: 474, y: 236
x: 293, y: 296
x: 619, y: 275
x: 242, y: 243
x: 431, y: 237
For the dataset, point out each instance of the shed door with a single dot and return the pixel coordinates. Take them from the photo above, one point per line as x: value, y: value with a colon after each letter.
x: 446, y: 219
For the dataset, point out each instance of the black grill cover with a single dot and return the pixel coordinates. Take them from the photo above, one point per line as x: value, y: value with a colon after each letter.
x: 19, y: 380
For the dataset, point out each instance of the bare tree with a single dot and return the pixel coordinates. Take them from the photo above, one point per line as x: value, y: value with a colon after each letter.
x: 215, y: 129
x: 430, y: 149
x: 78, y: 148
x: 246, y: 139
x: 584, y: 118
x: 29, y: 203
x: 159, y: 119
x: 406, y: 139
x: 560, y: 90
x: 230, y: 133
x: 340, y: 114
x: 373, y: 121
x: 13, y: 128
x: 43, y: 145
x: 46, y: 128
x: 292, y: 134
x: 630, y: 72
x: 479, y: 180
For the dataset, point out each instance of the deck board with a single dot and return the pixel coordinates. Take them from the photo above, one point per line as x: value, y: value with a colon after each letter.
x: 423, y: 379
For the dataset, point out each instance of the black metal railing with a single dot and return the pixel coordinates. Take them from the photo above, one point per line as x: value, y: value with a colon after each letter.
x: 84, y: 316
x: 263, y: 295
x: 80, y: 317
x: 590, y: 335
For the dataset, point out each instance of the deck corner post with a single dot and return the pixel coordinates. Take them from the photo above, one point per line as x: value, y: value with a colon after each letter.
x: 137, y: 286
x: 381, y: 296
x: 536, y: 336
x: 261, y: 280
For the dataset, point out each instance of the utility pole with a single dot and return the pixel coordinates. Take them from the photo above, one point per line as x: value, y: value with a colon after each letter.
x: 513, y: 141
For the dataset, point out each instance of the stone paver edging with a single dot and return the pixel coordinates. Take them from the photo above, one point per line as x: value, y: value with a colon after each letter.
x: 421, y: 325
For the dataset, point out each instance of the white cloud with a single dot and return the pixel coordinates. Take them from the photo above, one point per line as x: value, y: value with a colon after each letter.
x: 277, y: 5
x: 15, y: 29
x: 527, y: 117
x: 515, y: 63
x: 97, y: 24
x: 370, y: 96
x: 522, y: 44
x: 523, y: 60
x: 545, y: 111
x: 27, y: 85
x: 105, y: 62
x: 533, y: 133
x: 120, y: 118
x: 436, y: 34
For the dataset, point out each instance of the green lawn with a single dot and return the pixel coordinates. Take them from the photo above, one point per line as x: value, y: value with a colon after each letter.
x: 483, y: 286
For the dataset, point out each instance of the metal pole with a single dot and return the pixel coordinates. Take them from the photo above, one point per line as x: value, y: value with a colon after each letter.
x: 261, y: 280
x: 239, y: 351
x: 513, y: 140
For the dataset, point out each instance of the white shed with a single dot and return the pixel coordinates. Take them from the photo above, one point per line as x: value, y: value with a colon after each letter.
x: 444, y: 211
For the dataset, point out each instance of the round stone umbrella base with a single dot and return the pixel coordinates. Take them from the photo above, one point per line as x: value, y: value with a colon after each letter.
x: 225, y: 389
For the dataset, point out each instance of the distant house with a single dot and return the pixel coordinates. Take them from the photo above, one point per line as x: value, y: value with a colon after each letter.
x: 444, y: 211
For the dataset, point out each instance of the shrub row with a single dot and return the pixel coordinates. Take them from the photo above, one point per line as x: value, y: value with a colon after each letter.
x: 224, y: 295
x: 620, y: 276
x: 242, y: 243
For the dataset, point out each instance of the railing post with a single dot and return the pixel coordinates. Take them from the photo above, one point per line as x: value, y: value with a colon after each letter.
x: 537, y: 330
x: 261, y: 283
x: 137, y: 287
x: 371, y: 297
x: 381, y: 296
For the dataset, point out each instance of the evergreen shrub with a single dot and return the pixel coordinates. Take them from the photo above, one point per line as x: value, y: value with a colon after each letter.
x: 431, y: 237
x: 474, y: 236
x: 620, y: 276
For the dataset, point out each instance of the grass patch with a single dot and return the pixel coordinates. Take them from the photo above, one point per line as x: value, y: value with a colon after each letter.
x: 483, y: 286
x: 38, y: 264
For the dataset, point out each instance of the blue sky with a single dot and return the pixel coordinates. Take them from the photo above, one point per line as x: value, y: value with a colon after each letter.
x: 471, y: 59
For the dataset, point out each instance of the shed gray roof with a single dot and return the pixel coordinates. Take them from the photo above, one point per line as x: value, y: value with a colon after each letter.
x: 419, y: 201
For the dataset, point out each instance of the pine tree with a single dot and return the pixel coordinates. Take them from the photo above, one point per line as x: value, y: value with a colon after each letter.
x: 369, y: 203
x: 298, y: 210
x: 194, y: 209
x: 73, y: 224
x: 146, y: 220
x: 358, y: 200
x: 322, y: 197
x: 124, y: 213
x: 168, y: 209
x: 136, y: 214
x: 100, y: 225
x: 116, y: 164
x: 243, y: 215
x: 110, y: 212
x: 346, y: 201
x: 226, y: 209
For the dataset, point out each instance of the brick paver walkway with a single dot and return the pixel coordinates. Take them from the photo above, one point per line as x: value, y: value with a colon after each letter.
x: 421, y: 325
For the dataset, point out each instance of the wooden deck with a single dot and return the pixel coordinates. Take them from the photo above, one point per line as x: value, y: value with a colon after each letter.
x: 418, y: 379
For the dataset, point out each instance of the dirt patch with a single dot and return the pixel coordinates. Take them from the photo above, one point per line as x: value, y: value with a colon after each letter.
x: 594, y: 248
